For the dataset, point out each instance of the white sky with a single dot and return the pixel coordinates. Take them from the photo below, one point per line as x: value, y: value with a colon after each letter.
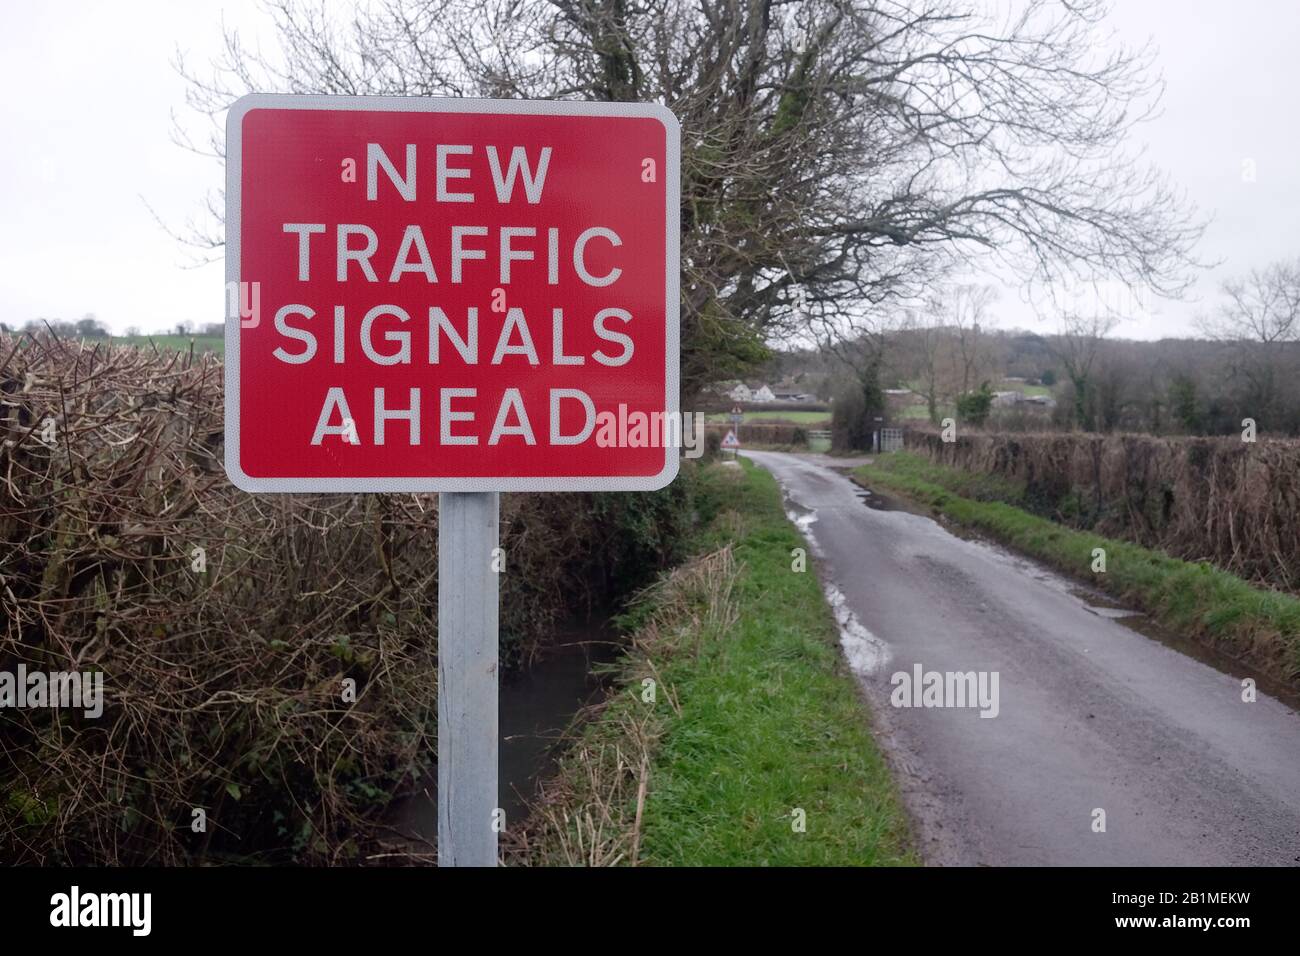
x: 89, y: 88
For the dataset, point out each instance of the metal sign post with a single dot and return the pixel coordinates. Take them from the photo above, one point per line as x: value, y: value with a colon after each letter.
x: 468, y: 532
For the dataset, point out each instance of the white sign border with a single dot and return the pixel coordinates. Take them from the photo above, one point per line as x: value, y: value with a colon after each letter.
x: 672, y: 317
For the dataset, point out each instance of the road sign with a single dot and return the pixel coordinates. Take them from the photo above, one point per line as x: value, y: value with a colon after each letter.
x: 450, y: 295
x: 731, y: 441
x: 737, y: 416
x: 462, y: 296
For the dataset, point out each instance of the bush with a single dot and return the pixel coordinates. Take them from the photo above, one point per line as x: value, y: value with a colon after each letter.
x: 712, y: 444
x: 1216, y: 499
x: 226, y: 623
x: 758, y: 433
x: 852, y: 417
x: 973, y: 407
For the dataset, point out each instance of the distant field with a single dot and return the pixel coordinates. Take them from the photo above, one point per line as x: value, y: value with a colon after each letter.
x: 181, y: 343
x: 1022, y: 387
x: 798, y: 418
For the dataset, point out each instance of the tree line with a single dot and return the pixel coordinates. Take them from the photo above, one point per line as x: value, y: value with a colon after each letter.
x: 1245, y: 365
x: 90, y: 327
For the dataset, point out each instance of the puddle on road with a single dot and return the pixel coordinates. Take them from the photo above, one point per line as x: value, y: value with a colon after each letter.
x: 865, y: 653
x: 873, y: 500
x: 803, y: 519
x: 877, y: 500
x: 1096, y: 603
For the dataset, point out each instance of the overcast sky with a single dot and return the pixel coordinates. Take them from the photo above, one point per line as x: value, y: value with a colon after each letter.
x: 89, y: 88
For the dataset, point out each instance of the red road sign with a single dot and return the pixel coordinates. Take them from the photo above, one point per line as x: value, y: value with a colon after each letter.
x: 450, y: 295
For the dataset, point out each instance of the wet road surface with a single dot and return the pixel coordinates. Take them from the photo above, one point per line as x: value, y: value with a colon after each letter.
x: 1091, y: 714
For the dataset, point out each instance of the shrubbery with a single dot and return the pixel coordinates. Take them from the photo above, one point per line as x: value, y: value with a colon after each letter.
x: 1218, y: 499
x: 225, y: 623
x: 759, y: 433
x: 973, y: 407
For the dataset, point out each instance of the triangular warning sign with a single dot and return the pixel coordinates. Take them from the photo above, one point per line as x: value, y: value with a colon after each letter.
x: 731, y: 441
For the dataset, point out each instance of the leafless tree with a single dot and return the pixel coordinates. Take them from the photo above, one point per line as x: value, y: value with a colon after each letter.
x: 1262, y: 307
x: 1258, y: 326
x: 837, y: 154
x: 964, y: 310
x: 927, y: 340
x: 1076, y: 346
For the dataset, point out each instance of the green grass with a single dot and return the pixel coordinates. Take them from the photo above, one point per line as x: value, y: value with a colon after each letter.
x: 978, y: 485
x: 1195, y: 600
x: 1023, y: 388
x: 797, y: 418
x: 770, y: 720
x: 202, y: 343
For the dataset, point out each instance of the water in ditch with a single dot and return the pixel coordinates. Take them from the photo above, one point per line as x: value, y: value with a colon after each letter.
x: 536, y: 706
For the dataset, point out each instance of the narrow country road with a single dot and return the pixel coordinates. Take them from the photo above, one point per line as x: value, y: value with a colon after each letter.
x: 1091, y: 714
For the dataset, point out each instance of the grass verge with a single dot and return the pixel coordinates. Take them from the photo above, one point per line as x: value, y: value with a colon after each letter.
x: 730, y: 713
x: 1197, y: 600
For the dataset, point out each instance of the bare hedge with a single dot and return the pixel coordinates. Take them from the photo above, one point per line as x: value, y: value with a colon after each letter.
x: 762, y: 433
x: 1232, y: 503
x: 226, y: 624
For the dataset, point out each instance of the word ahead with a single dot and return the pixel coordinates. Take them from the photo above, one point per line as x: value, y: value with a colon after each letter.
x: 450, y: 295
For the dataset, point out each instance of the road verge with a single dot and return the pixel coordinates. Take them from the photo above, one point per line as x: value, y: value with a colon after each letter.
x: 734, y: 734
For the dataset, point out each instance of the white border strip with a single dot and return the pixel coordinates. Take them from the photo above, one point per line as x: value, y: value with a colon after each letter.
x: 672, y: 318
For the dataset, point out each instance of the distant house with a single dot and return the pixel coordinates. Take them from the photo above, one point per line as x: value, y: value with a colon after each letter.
x: 761, y: 393
x: 741, y: 393
x: 1022, y: 401
x: 792, y: 395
